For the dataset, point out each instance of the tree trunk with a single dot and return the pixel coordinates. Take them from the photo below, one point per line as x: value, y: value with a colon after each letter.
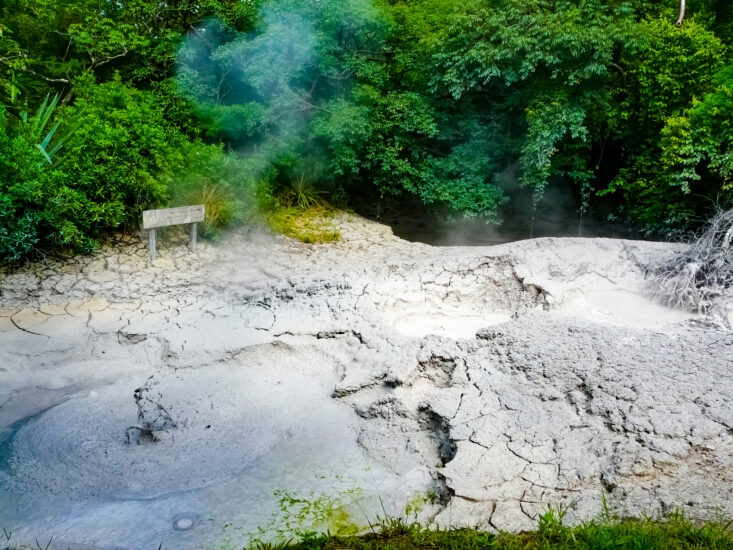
x: 682, y: 13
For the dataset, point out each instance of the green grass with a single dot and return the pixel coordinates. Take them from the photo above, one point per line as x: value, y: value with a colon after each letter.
x: 673, y: 533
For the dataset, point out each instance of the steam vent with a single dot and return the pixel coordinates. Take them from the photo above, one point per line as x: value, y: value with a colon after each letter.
x: 265, y: 385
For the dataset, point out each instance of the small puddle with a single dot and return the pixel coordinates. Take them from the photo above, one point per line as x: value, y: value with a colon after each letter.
x: 621, y: 308
x: 453, y: 301
x: 451, y: 324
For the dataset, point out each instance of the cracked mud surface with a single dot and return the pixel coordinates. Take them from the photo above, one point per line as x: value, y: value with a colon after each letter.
x: 363, y: 373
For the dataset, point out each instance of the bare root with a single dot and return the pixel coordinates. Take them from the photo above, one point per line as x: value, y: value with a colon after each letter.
x: 704, y: 272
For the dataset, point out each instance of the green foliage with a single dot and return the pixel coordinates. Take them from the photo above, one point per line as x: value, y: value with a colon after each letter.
x: 398, y: 120
x: 668, y: 75
x: 121, y: 156
x: 119, y: 152
x: 12, y: 83
x: 229, y: 103
x: 38, y: 126
x: 700, y: 140
x: 22, y: 180
x: 63, y: 42
x: 36, y: 205
x: 546, y: 66
x: 301, y: 193
x: 221, y: 182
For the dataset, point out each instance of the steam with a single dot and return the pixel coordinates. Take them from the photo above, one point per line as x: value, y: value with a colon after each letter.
x: 248, y: 87
x: 258, y: 91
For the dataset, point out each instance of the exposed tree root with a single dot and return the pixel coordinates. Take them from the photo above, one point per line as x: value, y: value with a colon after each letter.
x: 694, y: 279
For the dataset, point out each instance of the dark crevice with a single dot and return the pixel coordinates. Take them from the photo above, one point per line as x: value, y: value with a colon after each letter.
x: 439, y: 430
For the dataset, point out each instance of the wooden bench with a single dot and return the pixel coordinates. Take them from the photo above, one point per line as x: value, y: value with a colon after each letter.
x: 153, y: 219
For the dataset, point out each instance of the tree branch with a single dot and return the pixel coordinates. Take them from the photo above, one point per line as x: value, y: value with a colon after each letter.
x: 619, y: 69
x: 309, y: 93
x: 302, y: 100
x: 7, y: 63
x: 106, y: 60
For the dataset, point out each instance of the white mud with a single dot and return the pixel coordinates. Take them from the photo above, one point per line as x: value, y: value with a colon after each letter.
x: 262, y: 387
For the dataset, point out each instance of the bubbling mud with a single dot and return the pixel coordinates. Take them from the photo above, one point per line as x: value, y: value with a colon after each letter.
x: 456, y: 298
x: 243, y: 430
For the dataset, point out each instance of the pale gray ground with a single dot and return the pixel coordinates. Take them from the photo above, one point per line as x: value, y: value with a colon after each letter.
x: 365, y: 374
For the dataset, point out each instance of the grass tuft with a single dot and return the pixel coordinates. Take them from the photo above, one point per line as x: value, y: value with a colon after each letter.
x: 220, y: 208
x: 301, y: 193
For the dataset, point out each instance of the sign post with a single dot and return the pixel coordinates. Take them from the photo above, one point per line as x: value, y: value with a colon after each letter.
x: 153, y: 219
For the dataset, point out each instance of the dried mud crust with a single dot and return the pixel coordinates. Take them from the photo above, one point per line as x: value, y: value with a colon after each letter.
x: 539, y: 411
x: 122, y: 269
x: 498, y: 379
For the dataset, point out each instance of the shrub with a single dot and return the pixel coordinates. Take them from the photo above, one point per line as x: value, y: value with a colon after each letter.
x: 121, y: 151
x: 220, y: 181
x: 120, y: 157
x: 36, y: 208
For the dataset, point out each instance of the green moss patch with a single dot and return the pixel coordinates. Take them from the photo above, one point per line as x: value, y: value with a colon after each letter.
x: 309, y: 225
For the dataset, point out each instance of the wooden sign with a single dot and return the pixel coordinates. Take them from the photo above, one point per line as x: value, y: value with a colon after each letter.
x: 172, y: 216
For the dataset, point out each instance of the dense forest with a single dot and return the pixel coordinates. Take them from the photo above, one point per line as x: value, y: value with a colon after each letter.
x: 111, y: 107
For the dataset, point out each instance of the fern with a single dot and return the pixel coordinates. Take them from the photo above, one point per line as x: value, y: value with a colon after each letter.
x: 38, y: 124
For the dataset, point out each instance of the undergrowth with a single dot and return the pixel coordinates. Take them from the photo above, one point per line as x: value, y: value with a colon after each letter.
x: 220, y: 209
x: 674, y: 533
x: 300, y: 211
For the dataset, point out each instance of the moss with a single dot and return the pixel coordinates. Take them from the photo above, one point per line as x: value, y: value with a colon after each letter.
x: 309, y: 225
x: 303, y: 515
x: 418, y: 501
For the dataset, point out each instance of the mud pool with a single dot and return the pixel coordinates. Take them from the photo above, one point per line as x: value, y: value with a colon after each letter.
x: 263, y: 387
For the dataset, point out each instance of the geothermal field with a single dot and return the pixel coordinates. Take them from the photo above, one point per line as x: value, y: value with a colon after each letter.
x: 261, y: 387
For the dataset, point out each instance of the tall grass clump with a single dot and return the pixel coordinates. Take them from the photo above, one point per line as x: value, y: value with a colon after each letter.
x: 301, y: 212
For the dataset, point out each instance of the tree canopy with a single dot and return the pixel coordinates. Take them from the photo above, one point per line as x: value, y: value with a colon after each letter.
x: 445, y: 100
